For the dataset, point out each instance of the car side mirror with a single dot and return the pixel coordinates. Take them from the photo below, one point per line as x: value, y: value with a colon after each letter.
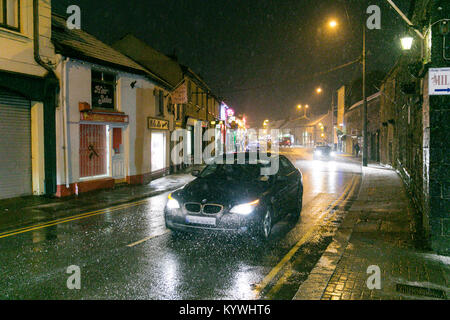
x: 195, y: 173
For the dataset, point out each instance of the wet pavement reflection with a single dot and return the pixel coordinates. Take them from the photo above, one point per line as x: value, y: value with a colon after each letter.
x: 129, y: 254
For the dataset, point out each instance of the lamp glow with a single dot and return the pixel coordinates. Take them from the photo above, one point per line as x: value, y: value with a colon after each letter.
x: 246, y: 208
x: 406, y: 42
x: 172, y: 203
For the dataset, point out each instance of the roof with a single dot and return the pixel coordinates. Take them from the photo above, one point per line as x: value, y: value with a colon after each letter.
x: 155, y: 61
x: 304, y: 122
x: 81, y: 45
x: 370, y: 98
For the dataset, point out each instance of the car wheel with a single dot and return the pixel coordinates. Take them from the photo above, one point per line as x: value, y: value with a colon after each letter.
x: 265, y: 228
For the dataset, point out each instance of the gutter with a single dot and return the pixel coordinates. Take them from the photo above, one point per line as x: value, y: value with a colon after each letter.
x: 404, y: 17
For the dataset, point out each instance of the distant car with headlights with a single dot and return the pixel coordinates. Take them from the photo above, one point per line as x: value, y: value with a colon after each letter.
x: 237, y: 198
x: 285, y: 142
x: 322, y: 152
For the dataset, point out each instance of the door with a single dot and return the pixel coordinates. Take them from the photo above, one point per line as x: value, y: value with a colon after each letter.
x: 158, y: 151
x: 15, y: 146
x: 118, y: 158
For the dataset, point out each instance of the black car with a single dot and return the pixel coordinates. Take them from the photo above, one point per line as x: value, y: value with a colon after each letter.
x: 323, y: 153
x: 237, y: 198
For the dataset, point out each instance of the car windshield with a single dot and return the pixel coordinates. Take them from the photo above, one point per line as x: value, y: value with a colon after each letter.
x: 241, y: 172
x: 323, y: 148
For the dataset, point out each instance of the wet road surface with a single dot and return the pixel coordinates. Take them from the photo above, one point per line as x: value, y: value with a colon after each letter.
x: 125, y: 252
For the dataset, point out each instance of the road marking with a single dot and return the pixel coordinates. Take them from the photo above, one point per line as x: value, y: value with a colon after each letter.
x: 70, y: 218
x: 148, y: 238
x: 280, y: 282
x: 288, y: 272
x: 267, y: 279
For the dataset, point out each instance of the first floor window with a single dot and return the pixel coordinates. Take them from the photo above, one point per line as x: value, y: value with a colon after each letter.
x: 9, y: 14
x: 103, y: 90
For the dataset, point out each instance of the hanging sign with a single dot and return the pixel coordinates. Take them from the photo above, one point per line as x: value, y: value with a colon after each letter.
x: 179, y: 96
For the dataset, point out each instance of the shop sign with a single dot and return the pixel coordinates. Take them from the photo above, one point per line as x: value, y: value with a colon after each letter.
x: 103, y: 95
x: 158, y: 124
x: 179, y: 96
x: 439, y: 81
x: 103, y: 117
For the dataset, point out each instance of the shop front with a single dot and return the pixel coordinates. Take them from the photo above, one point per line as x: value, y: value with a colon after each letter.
x: 101, y: 159
x: 159, y: 148
x: 27, y: 144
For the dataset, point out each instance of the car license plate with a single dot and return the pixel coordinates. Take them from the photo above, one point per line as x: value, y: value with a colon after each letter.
x: 201, y: 220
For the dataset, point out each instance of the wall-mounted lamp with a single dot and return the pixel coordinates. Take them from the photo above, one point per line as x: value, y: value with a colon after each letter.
x: 406, y: 42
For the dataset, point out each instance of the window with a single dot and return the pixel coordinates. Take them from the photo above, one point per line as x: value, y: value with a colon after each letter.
x: 103, y: 90
x: 10, y: 14
x: 94, y: 153
x: 285, y: 167
x: 189, y: 90
x: 159, y: 101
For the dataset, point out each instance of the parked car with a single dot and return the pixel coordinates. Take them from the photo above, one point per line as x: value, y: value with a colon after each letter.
x: 237, y: 198
x: 323, y: 152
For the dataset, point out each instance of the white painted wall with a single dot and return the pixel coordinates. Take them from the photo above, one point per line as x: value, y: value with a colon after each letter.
x: 78, y: 89
x: 17, y: 50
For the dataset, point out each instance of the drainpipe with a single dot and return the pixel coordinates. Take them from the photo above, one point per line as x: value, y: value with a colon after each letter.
x: 37, y: 56
x: 65, y: 122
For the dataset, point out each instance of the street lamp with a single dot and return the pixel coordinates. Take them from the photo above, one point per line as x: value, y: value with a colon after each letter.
x: 300, y: 107
x: 332, y: 24
x: 319, y: 90
x: 407, y: 42
x: 365, y: 149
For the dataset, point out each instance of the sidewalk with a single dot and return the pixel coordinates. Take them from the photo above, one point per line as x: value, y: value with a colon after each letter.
x: 378, y: 230
x: 27, y: 211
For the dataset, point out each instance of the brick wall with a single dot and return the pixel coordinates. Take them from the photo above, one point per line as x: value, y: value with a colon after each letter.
x: 415, y: 126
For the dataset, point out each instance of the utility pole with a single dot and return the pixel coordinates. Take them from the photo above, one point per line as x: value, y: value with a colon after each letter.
x: 333, y: 130
x: 364, y: 120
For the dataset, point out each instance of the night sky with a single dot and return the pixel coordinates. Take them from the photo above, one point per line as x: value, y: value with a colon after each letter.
x: 260, y: 55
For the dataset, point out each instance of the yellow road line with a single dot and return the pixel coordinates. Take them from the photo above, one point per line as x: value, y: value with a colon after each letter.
x: 288, y: 272
x: 267, y: 279
x: 70, y: 218
x: 280, y: 283
x: 78, y: 215
x: 146, y: 239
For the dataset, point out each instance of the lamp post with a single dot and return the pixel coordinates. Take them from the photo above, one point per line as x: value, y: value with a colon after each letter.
x: 365, y: 149
x: 300, y: 107
x: 364, y: 121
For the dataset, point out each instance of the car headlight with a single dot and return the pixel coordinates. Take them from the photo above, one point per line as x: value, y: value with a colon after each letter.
x: 333, y: 154
x: 172, y: 203
x: 246, y: 208
x: 318, y: 153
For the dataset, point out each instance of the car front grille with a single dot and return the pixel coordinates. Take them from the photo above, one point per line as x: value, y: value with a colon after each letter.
x: 212, y: 208
x: 194, y: 207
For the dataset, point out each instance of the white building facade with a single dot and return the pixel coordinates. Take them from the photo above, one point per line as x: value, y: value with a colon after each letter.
x: 113, y: 122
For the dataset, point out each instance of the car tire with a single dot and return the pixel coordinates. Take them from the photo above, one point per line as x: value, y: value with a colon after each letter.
x: 264, y: 229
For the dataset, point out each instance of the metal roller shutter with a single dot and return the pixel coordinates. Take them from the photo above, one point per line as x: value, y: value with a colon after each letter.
x: 15, y: 146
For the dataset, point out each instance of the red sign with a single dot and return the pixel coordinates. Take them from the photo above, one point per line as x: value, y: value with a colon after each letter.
x: 179, y: 96
x: 104, y: 117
